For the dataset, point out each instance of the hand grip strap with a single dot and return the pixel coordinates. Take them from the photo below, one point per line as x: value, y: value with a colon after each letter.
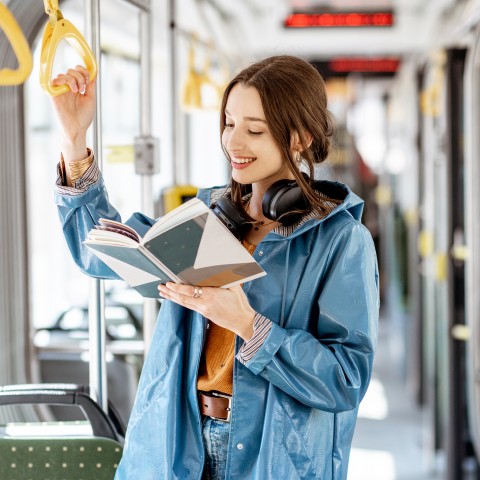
x: 20, y: 47
x: 52, y: 36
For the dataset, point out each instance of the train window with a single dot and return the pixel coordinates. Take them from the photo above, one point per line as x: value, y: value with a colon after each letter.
x: 56, y: 284
x: 208, y: 165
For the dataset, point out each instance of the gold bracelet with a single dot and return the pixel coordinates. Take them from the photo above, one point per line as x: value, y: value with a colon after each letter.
x: 77, y: 169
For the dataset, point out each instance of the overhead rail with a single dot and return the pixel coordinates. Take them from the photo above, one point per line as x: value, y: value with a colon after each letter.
x: 20, y: 46
x: 56, y: 30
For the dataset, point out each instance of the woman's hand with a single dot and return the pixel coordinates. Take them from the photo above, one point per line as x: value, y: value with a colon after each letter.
x: 75, y: 110
x: 227, y: 307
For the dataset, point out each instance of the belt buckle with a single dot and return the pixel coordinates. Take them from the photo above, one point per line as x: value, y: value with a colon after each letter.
x: 229, y: 408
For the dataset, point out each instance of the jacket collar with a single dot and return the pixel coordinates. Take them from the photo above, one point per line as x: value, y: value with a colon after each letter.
x: 352, y: 204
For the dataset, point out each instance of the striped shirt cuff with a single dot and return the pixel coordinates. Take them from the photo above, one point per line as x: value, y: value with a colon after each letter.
x: 261, y: 328
x: 81, y: 185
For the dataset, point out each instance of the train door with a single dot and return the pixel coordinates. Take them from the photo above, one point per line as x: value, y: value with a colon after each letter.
x: 472, y: 236
x: 443, y: 255
x: 60, y: 296
x: 433, y: 245
x: 457, y: 441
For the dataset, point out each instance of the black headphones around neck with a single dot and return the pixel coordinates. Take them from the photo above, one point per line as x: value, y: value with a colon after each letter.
x: 284, y: 201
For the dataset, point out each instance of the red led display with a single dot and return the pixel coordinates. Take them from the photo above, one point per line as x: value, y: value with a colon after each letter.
x: 350, y: 19
x: 366, y: 65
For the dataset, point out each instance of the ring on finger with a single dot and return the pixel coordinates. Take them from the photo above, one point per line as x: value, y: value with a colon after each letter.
x: 197, y: 292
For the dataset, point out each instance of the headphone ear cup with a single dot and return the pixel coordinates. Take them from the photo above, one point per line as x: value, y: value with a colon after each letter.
x: 271, y: 197
x: 281, y: 201
x: 231, y: 217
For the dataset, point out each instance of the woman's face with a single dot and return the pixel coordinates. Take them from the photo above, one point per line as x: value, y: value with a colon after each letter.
x: 254, y: 155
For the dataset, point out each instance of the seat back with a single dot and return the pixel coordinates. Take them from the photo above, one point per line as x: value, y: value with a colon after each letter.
x: 89, y: 450
x: 67, y: 458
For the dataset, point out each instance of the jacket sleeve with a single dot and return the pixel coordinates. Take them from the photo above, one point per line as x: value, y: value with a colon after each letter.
x: 79, y: 213
x: 330, y: 368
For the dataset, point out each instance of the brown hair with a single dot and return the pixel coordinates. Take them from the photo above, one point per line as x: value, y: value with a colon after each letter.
x: 294, y: 100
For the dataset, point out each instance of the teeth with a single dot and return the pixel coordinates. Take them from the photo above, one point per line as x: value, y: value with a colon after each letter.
x: 244, y: 160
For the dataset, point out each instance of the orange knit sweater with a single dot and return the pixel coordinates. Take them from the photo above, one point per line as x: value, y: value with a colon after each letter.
x: 216, y: 365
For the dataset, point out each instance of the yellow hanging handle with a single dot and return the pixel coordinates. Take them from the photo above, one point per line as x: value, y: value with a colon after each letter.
x: 192, y: 96
x: 19, y: 45
x: 56, y: 30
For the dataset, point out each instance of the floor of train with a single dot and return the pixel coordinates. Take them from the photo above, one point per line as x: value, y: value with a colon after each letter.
x: 389, y: 441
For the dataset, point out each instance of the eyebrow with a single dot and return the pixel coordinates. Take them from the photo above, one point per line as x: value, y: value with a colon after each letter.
x: 252, y: 119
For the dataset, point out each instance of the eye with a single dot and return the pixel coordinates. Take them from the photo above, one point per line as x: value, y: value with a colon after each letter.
x: 254, y: 133
x: 228, y: 125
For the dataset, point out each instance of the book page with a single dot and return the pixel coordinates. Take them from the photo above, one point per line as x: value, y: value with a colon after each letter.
x: 217, y: 248
x: 202, y: 251
x: 131, y: 265
x: 106, y: 237
x: 113, y: 226
x: 188, y: 210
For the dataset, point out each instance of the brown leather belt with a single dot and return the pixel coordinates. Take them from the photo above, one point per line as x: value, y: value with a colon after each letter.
x: 215, y: 405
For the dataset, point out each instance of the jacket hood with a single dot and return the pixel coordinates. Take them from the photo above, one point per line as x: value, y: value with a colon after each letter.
x: 351, y: 202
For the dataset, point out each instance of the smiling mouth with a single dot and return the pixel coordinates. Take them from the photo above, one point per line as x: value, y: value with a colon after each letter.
x: 241, y: 161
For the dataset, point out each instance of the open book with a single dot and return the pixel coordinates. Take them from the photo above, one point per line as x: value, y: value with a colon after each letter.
x: 189, y: 245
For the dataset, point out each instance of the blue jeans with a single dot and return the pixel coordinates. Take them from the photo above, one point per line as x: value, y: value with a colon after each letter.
x: 215, y: 440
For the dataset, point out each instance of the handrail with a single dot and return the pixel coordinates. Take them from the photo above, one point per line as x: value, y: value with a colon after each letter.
x: 107, y: 425
x: 56, y: 30
x: 19, y: 45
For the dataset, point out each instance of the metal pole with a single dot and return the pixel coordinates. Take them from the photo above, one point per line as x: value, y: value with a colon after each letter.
x: 149, y: 305
x: 96, y: 310
x: 173, y: 89
x: 141, y: 4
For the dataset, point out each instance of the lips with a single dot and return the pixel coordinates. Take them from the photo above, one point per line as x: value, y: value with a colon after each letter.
x: 241, y: 162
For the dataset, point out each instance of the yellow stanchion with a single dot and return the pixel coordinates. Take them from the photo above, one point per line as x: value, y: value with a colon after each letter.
x: 56, y: 30
x: 425, y: 243
x: 20, y: 47
x: 441, y: 266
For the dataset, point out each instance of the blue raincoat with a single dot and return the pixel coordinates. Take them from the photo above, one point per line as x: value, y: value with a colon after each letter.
x: 295, y: 403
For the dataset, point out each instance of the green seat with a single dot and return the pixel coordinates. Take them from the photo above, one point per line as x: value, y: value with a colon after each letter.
x: 63, y: 458
x: 89, y: 450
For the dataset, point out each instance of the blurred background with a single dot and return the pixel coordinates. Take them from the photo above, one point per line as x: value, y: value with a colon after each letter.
x: 403, y: 85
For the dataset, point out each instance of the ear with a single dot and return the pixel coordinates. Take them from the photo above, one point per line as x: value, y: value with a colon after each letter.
x: 296, y: 143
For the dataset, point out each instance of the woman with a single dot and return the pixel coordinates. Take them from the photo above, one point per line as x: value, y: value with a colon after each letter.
x: 261, y: 381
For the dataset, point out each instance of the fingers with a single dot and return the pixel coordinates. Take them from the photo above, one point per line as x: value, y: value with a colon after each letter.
x: 78, y: 79
x: 181, y: 293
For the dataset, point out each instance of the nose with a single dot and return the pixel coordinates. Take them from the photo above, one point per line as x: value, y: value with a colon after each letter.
x: 233, y: 140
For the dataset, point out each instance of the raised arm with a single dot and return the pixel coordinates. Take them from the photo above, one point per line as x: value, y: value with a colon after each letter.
x: 75, y: 110
x: 80, y: 192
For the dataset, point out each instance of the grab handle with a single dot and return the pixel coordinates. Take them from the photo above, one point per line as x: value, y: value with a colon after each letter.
x: 20, y: 47
x: 56, y: 30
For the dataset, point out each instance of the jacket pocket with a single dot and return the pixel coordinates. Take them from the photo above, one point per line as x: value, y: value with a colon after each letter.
x: 307, y: 438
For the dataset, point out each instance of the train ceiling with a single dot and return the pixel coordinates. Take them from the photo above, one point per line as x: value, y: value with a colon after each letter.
x: 413, y: 29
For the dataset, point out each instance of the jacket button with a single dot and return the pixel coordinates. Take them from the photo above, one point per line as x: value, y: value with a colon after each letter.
x: 260, y: 253
x: 240, y: 446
